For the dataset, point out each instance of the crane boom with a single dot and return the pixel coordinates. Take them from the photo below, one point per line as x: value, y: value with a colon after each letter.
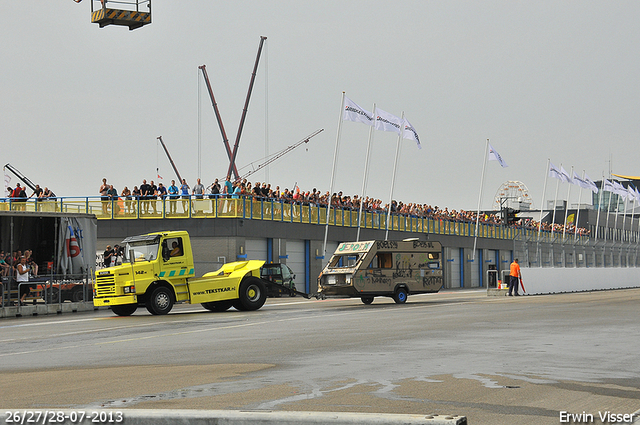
x: 225, y: 139
x: 170, y: 160
x: 232, y: 164
x: 21, y: 176
x: 282, y: 153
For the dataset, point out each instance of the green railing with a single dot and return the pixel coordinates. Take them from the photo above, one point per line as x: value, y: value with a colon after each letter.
x: 250, y: 208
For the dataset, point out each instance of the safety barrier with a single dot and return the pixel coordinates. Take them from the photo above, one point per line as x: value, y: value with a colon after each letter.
x: 45, y: 292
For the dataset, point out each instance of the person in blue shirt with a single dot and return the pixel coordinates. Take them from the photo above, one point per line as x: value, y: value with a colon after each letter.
x: 184, y: 191
x: 173, y: 195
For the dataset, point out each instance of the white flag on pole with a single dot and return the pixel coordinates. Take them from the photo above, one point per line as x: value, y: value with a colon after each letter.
x: 619, y: 190
x: 555, y: 173
x: 353, y: 112
x: 636, y: 194
x: 387, y: 122
x: 580, y: 182
x: 608, y: 186
x: 410, y: 133
x: 591, y: 184
x: 630, y: 194
x: 565, y: 176
x: 495, y: 156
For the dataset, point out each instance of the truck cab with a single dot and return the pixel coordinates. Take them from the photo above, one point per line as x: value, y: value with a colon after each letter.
x: 158, y: 271
x: 154, y: 262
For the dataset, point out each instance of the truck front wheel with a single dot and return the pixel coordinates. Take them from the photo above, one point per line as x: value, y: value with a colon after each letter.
x: 160, y: 301
x: 124, y: 310
x: 253, y: 293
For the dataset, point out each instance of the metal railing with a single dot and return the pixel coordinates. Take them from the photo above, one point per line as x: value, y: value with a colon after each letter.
x: 48, y: 289
x: 255, y: 209
x: 121, y: 4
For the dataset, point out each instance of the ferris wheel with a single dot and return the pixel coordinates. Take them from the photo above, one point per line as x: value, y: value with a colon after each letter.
x: 512, y: 194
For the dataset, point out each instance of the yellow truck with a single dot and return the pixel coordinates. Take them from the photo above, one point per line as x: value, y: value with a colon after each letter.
x: 393, y: 269
x: 158, y: 271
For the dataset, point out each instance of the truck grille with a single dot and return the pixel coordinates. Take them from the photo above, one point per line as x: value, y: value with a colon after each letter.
x: 105, y: 285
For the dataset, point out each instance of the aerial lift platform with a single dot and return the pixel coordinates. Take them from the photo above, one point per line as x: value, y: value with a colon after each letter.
x: 128, y: 13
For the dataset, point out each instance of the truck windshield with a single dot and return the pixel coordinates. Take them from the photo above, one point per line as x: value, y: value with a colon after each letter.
x: 142, y: 250
x: 341, y: 261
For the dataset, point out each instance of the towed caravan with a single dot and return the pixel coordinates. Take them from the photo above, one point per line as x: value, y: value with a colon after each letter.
x: 383, y: 268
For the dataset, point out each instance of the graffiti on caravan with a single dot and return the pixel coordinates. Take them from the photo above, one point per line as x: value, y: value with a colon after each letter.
x: 422, y: 244
x: 387, y: 245
x: 428, y: 281
x: 383, y: 280
x: 354, y: 247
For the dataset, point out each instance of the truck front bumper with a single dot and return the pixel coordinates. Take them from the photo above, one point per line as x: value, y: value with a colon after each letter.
x: 115, y: 300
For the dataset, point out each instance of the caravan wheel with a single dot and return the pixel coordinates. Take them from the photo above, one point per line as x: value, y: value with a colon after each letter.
x: 400, y: 296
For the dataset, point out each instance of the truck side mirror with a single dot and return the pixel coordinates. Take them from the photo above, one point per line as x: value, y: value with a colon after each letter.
x: 132, y: 258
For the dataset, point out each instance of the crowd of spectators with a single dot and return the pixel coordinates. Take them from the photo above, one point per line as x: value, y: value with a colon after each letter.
x: 19, y: 193
x: 8, y: 262
x: 19, y: 268
x: 242, y: 188
x: 264, y: 191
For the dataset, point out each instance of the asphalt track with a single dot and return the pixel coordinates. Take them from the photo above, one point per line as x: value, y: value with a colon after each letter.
x: 495, y: 360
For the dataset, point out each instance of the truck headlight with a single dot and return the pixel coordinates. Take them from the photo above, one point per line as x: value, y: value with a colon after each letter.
x: 129, y: 289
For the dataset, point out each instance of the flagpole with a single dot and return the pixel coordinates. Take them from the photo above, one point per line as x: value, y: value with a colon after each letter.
x: 637, y: 201
x: 544, y: 190
x: 624, y: 218
x: 638, y: 231
x: 615, y: 220
x: 599, y: 209
x: 365, y: 177
x: 475, y: 236
x: 333, y: 173
x: 393, y: 179
x: 624, y: 222
x: 566, y: 208
x: 555, y: 200
x: 575, y: 233
x: 553, y: 222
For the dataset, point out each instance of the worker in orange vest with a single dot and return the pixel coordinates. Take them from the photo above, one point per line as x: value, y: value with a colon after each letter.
x: 514, y: 278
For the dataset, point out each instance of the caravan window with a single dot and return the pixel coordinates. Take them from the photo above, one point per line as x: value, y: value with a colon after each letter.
x: 382, y: 260
x: 348, y: 260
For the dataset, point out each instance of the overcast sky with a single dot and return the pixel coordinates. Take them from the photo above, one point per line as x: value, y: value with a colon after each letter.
x: 540, y: 79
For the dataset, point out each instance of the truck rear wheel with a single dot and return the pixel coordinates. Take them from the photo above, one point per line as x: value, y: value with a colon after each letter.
x: 160, y: 301
x: 400, y: 296
x: 218, y: 305
x: 252, y: 294
x: 124, y: 310
x: 366, y: 300
x: 52, y: 295
x: 76, y: 294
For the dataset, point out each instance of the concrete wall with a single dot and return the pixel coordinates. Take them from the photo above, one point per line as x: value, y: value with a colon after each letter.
x: 556, y: 280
